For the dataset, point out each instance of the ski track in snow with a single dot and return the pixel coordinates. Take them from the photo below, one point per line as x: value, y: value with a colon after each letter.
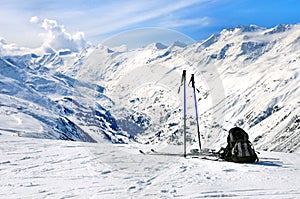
x: 39, y: 168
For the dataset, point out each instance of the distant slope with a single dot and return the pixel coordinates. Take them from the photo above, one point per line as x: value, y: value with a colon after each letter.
x: 36, y: 100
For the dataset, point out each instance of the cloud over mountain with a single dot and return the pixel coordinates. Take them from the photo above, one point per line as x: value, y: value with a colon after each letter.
x: 11, y: 48
x: 57, y: 38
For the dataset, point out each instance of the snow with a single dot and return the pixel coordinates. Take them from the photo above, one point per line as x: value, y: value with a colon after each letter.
x: 17, y: 122
x: 72, y: 91
x: 39, y: 168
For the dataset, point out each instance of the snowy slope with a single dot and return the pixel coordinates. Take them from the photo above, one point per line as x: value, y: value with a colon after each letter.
x: 38, y: 100
x: 62, y: 169
x: 259, y: 69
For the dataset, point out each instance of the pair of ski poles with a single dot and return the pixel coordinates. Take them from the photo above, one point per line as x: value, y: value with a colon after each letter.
x: 183, y: 83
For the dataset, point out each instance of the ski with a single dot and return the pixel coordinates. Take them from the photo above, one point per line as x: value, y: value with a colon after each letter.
x: 204, y: 155
x: 142, y: 152
x: 268, y: 158
x: 153, y: 152
x: 209, y: 154
x: 196, y: 152
x: 205, y: 150
x: 211, y: 158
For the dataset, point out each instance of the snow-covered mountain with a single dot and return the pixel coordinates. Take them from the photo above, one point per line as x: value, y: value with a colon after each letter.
x: 259, y: 70
x: 246, y: 76
x: 37, y: 100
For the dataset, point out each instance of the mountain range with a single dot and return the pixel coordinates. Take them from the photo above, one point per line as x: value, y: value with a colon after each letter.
x: 245, y: 76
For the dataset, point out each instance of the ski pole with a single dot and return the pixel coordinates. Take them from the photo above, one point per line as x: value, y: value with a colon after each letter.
x: 196, y: 108
x: 183, y: 82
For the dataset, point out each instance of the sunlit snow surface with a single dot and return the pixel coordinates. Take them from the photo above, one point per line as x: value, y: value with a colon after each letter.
x: 32, y: 168
x: 247, y: 77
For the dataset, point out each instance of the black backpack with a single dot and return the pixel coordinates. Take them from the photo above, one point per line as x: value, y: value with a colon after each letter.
x: 239, y: 148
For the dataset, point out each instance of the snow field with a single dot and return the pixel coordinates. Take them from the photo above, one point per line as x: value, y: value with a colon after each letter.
x: 39, y: 168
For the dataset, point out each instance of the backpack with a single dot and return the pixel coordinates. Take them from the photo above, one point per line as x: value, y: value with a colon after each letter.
x: 239, y: 148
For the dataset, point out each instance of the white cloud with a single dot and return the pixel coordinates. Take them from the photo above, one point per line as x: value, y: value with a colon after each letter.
x: 11, y: 49
x: 54, y: 38
x: 57, y: 38
x: 2, y: 41
x: 34, y: 19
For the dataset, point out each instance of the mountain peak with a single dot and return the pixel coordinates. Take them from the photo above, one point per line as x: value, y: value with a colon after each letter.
x: 279, y: 28
x: 156, y: 46
x: 243, y: 29
x: 179, y: 44
x: 250, y: 28
x: 159, y: 46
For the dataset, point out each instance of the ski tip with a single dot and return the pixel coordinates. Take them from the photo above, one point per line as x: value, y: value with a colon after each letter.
x: 142, y: 152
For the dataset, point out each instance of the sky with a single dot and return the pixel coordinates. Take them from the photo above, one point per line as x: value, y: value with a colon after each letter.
x: 23, y: 21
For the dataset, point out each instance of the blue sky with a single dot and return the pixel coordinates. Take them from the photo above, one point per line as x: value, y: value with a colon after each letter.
x: 101, y: 19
